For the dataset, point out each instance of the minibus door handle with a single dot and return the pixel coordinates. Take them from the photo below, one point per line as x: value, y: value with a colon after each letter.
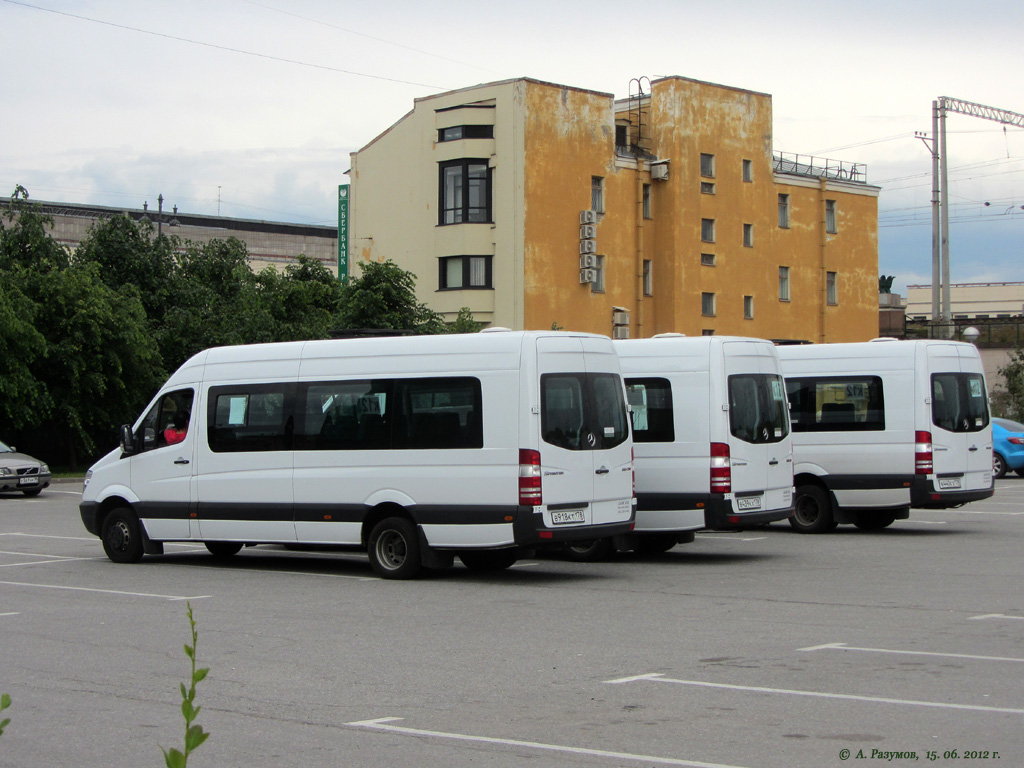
x: 181, y: 460
x: 973, y: 448
x: 603, y: 471
x: 773, y: 462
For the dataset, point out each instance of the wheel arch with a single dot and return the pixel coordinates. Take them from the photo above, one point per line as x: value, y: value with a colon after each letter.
x: 380, y: 512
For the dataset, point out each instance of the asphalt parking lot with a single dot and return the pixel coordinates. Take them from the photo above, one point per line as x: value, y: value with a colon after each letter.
x: 761, y: 649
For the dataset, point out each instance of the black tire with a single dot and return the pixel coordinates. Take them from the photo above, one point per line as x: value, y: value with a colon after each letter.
x: 655, y: 543
x: 122, y: 536
x: 224, y: 549
x: 874, y: 521
x: 394, y: 549
x: 813, y: 512
x: 489, y: 560
x: 33, y: 492
x: 591, y: 551
x: 998, y: 465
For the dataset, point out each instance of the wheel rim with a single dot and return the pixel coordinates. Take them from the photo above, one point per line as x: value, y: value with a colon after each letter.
x: 119, y: 536
x: 807, y: 511
x: 392, y: 550
x: 997, y: 465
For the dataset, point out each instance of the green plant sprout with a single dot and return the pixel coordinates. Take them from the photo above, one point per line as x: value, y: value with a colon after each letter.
x: 5, y: 702
x: 194, y: 733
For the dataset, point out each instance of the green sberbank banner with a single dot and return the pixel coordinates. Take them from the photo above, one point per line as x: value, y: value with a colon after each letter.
x: 343, y: 232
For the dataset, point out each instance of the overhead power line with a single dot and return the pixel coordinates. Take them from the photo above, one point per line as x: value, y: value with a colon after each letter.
x: 254, y: 54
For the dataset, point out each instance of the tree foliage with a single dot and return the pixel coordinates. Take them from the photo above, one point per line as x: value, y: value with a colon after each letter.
x: 86, y: 338
x: 1009, y: 400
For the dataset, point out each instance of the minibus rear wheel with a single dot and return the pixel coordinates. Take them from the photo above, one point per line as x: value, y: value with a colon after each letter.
x: 223, y: 549
x: 394, y: 549
x: 590, y: 551
x: 122, y: 536
x: 813, y: 513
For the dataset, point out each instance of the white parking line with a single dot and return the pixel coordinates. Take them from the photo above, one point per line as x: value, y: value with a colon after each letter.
x: 996, y: 616
x: 845, y: 647
x: 729, y: 536
x: 54, y: 559
x: 657, y: 677
x: 104, y: 591
x: 9, y: 613
x: 42, y: 536
x: 383, y: 724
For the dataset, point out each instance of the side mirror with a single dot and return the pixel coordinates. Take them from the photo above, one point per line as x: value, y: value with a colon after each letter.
x: 127, y: 440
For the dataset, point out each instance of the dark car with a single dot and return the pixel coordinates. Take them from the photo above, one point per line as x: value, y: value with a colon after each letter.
x: 20, y: 472
x: 1007, y: 447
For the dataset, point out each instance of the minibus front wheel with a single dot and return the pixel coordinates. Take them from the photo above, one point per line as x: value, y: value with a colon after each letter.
x: 122, y: 536
x: 394, y: 549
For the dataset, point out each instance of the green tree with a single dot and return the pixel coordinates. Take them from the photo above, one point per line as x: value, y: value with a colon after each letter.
x: 1009, y: 401
x: 465, y: 323
x: 383, y: 297
x: 128, y: 254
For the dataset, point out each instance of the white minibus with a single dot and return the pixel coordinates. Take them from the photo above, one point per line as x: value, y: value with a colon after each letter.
x: 413, y: 448
x: 710, y: 437
x: 885, y: 425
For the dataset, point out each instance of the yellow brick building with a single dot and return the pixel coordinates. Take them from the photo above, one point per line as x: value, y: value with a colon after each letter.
x: 540, y: 205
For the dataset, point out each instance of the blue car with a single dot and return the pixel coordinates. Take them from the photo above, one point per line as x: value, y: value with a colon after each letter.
x: 1007, y: 447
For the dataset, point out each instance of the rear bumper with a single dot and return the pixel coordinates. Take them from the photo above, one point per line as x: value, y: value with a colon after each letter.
x: 529, y: 530
x: 924, y: 496
x: 719, y: 515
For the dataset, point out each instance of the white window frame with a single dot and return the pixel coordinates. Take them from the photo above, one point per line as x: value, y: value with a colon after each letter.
x: 832, y: 289
x: 707, y: 259
x: 598, y: 285
x: 784, y: 211
x: 748, y: 171
x: 707, y: 304
x: 784, y: 292
x: 707, y: 230
x: 748, y: 235
x: 597, y: 194
x: 648, y: 277
x: 748, y: 307
x: 831, y: 225
x: 707, y: 165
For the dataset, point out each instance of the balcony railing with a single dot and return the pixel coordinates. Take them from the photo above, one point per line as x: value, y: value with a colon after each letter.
x: 819, y: 167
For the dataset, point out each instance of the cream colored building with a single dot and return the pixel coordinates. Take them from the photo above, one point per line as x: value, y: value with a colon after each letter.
x: 268, y: 243
x: 540, y: 205
x: 969, y: 301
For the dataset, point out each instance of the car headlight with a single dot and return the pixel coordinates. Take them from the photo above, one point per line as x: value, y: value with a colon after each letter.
x: 44, y: 469
x: 4, y: 471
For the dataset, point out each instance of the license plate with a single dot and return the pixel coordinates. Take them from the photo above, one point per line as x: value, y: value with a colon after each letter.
x: 561, y: 517
x: 949, y: 482
x: 753, y: 502
x: 28, y: 481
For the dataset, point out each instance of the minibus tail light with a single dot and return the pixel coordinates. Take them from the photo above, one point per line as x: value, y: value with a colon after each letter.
x: 721, y: 468
x: 923, y: 453
x: 529, y: 478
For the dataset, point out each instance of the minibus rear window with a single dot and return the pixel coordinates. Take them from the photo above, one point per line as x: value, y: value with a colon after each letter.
x: 757, y: 408
x: 583, y: 411
x: 959, y: 403
x: 650, y: 403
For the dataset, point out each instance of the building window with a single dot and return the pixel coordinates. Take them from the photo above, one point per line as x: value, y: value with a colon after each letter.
x: 783, y: 283
x: 647, y: 201
x: 458, y: 272
x: 598, y: 285
x: 748, y: 235
x: 748, y: 307
x: 748, y: 170
x: 707, y: 230
x: 597, y: 194
x: 707, y: 165
x: 707, y: 304
x: 784, y: 211
x: 830, y: 217
x: 465, y: 192
x: 707, y: 188
x: 621, y: 137
x: 457, y: 132
x: 707, y: 259
x: 648, y: 278
x: 831, y: 294
x: 707, y: 332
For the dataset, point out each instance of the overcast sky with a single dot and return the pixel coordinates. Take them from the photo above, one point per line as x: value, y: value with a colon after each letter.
x: 251, y: 107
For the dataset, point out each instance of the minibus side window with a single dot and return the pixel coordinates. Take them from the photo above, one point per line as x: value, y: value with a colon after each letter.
x: 650, y: 401
x: 437, y: 413
x: 757, y: 408
x: 256, y: 417
x: 346, y: 415
x: 836, y: 403
x: 167, y: 421
x: 959, y: 403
